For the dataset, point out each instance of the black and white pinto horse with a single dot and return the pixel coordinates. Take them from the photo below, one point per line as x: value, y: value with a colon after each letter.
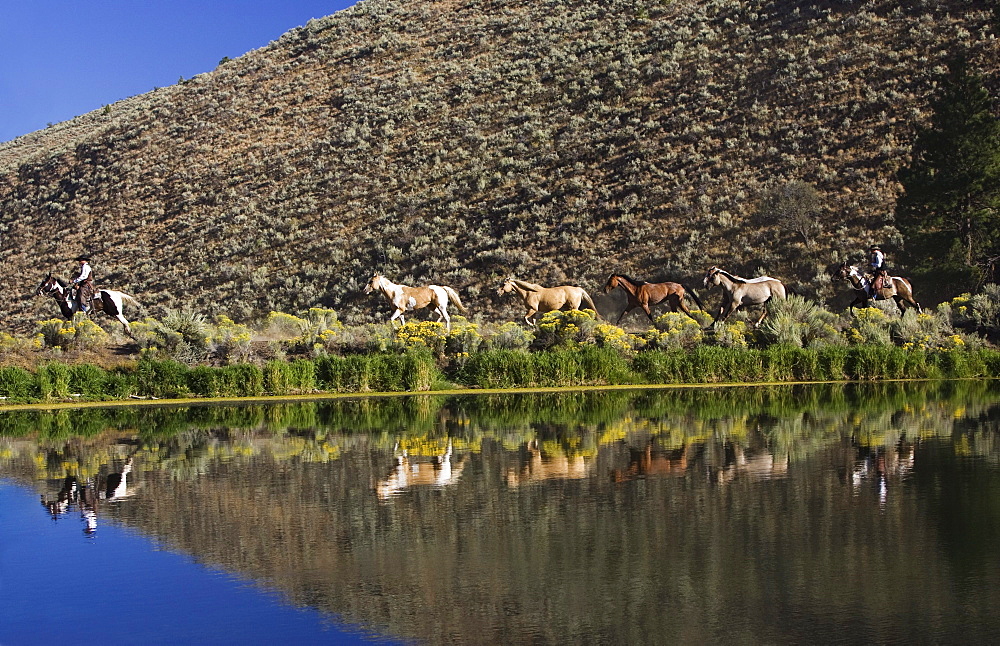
x: 108, y: 301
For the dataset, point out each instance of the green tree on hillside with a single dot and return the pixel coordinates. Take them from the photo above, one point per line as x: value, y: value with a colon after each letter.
x: 949, y: 213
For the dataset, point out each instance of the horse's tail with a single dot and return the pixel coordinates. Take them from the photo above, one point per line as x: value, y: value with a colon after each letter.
x: 130, y: 299
x: 694, y: 297
x: 590, y: 302
x: 453, y: 295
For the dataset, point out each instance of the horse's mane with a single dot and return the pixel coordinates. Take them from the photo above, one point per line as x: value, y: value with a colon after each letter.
x: 632, y: 280
x: 732, y: 277
x: 523, y: 284
x: 740, y: 279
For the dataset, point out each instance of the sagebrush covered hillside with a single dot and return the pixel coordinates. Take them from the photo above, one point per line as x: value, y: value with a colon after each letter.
x: 455, y: 142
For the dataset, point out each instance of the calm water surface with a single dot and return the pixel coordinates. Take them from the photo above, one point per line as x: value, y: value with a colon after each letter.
x: 850, y: 514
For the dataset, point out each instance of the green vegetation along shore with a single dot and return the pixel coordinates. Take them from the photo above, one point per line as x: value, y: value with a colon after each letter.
x: 186, y: 355
x: 418, y: 370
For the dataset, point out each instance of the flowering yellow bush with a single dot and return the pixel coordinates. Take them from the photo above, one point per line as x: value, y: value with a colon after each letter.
x: 428, y: 334
x: 567, y: 327
x: 463, y: 339
x: 734, y: 335
x: 80, y: 333
x: 511, y: 336
x: 230, y: 339
x: 673, y: 330
x: 612, y: 336
x: 284, y: 326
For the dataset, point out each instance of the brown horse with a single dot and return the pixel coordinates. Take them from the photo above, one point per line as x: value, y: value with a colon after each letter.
x: 647, y: 295
x: 540, y: 299
x: 897, y: 288
x: 414, y: 298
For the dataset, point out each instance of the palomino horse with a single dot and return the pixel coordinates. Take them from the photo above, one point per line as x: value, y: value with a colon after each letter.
x: 647, y: 295
x: 406, y: 298
x: 897, y: 288
x: 540, y: 300
x: 739, y: 292
x: 110, y: 301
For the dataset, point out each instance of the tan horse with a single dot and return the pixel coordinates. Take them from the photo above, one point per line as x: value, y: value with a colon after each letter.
x: 414, y: 298
x: 741, y: 292
x: 898, y: 289
x: 540, y: 300
x: 647, y: 295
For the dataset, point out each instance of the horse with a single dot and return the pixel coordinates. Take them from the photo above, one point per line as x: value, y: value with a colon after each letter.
x: 647, y: 295
x: 897, y: 288
x: 110, y: 301
x: 739, y: 292
x: 414, y: 298
x: 540, y: 299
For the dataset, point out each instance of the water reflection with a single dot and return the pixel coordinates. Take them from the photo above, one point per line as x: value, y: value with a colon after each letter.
x: 85, y: 497
x: 417, y: 471
x: 625, y: 516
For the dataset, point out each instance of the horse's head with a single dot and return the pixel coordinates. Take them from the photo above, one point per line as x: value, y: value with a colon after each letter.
x: 611, y: 284
x: 373, y: 284
x: 507, y: 287
x: 711, y: 276
x: 48, y: 285
x: 842, y: 272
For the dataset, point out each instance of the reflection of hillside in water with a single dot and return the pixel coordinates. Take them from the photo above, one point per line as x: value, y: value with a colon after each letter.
x: 618, y: 516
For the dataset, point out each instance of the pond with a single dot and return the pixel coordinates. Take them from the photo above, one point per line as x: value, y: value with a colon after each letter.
x: 766, y: 514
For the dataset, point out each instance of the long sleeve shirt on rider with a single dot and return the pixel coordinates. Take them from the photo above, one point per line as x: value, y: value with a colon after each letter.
x: 84, y: 274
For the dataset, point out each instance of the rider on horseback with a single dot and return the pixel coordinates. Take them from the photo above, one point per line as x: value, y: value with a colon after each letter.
x: 879, y: 273
x: 84, y: 284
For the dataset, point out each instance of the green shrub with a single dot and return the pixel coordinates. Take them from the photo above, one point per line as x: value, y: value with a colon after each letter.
x: 203, y: 381
x: 17, y: 384
x: 498, y: 368
x: 161, y: 378
x: 88, y: 380
x: 53, y: 381
x: 241, y: 380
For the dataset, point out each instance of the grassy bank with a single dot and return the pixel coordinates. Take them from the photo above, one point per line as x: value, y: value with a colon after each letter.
x: 418, y: 370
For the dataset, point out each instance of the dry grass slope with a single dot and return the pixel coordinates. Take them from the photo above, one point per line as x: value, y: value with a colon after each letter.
x: 456, y: 142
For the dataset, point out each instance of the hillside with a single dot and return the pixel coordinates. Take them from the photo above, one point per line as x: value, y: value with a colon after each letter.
x: 456, y: 142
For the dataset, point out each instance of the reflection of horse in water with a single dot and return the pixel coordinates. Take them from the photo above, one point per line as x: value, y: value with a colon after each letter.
x: 540, y: 467
x: 85, y: 497
x: 650, y: 462
x: 409, y: 472
x: 878, y: 464
x: 755, y: 465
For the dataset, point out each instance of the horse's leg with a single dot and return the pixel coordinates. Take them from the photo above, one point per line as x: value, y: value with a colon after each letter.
x: 684, y: 308
x: 763, y: 313
x: 624, y: 312
x: 443, y: 313
x: 899, y: 303
x: 124, y: 322
x: 528, y: 317
x: 398, y: 315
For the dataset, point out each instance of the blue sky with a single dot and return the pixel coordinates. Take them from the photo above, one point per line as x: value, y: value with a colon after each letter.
x: 63, y: 58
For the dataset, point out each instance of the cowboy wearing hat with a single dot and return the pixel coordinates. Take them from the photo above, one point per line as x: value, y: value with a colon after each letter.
x: 876, y: 260
x: 84, y: 284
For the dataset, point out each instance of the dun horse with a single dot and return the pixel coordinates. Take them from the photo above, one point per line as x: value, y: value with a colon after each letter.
x: 406, y: 298
x: 647, y: 295
x: 898, y: 289
x: 740, y: 292
x: 108, y: 301
x: 540, y: 300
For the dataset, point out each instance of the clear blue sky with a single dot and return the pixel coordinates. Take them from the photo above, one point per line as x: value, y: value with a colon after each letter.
x: 63, y: 58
